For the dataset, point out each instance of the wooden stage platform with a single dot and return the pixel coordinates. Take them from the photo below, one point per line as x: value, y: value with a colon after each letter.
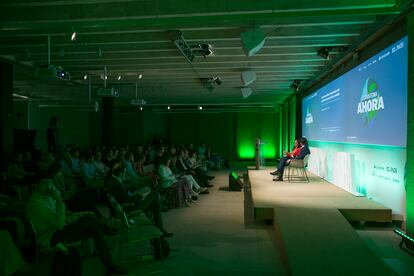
x: 310, y: 220
x: 318, y: 193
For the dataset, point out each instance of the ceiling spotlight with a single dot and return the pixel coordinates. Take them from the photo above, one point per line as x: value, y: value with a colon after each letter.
x: 168, y: 107
x: 140, y: 76
x: 204, y: 49
x: 295, y: 85
x: 324, y: 52
x: 200, y: 107
x: 73, y: 36
x: 119, y: 77
x: 106, y: 77
x: 85, y: 77
x: 141, y: 108
x: 217, y: 80
x: 211, y: 83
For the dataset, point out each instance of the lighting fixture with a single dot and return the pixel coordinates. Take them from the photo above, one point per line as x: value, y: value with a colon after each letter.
x: 295, y: 85
x: 20, y: 96
x: 324, y: 52
x: 168, y: 107
x: 182, y: 45
x: 140, y: 76
x: 73, y: 36
x: 211, y: 83
x: 85, y: 77
x: 141, y: 108
x: 119, y: 77
x: 203, y: 48
x: 200, y: 107
x: 406, y: 240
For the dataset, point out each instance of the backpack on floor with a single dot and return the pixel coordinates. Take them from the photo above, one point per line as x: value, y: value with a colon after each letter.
x: 161, y: 248
x: 66, y: 263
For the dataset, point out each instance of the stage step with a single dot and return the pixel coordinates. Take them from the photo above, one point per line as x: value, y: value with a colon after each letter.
x: 320, y: 241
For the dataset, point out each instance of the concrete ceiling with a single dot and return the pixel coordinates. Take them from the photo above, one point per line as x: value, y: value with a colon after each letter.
x: 133, y: 37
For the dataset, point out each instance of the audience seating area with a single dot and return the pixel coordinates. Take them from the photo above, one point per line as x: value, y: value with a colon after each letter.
x: 121, y: 190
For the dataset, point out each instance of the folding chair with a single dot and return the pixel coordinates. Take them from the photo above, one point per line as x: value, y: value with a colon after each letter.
x: 299, y: 166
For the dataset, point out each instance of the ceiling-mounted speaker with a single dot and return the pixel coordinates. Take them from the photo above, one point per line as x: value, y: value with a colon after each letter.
x: 246, y: 92
x: 248, y: 77
x: 252, y: 41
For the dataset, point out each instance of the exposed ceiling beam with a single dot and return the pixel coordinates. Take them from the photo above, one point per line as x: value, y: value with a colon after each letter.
x: 62, y: 18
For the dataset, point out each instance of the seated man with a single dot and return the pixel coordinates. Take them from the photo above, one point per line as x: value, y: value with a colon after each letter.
x: 289, y: 155
x: 304, y: 150
x: 124, y: 194
x: 46, y: 210
x: 88, y: 172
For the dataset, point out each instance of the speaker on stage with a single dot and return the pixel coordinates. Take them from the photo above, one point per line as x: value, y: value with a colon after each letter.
x: 235, y: 183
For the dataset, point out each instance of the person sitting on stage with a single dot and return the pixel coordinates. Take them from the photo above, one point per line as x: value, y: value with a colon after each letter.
x: 304, y: 150
x: 289, y: 155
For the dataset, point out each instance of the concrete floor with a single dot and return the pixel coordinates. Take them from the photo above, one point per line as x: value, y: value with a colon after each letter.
x: 214, y: 237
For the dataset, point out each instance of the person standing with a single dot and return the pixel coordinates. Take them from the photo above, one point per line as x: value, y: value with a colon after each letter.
x: 52, y: 135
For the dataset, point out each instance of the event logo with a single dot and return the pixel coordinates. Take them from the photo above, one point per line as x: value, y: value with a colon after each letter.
x: 371, y: 101
x: 309, y: 117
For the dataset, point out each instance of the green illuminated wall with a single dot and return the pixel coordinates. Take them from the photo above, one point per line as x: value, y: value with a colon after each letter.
x: 409, y: 181
x: 376, y: 171
x: 288, y: 119
x: 292, y: 122
x: 257, y: 125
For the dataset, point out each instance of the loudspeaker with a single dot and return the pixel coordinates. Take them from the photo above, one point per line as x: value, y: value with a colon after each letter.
x: 252, y: 41
x: 248, y: 77
x: 235, y: 183
x: 246, y: 92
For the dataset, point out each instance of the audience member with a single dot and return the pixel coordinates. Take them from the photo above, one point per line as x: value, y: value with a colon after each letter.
x: 46, y: 211
x: 148, y: 201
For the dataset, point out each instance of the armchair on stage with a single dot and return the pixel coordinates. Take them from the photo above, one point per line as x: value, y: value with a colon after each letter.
x: 259, y: 154
x: 298, y: 166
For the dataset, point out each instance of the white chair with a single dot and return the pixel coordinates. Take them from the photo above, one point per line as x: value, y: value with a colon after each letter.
x: 298, y: 165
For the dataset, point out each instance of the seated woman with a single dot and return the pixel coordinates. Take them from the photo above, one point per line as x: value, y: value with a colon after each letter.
x: 289, y: 155
x: 188, y: 178
x: 169, y: 180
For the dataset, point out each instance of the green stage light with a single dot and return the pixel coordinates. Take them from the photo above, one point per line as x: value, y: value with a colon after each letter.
x: 403, y: 235
x: 234, y: 175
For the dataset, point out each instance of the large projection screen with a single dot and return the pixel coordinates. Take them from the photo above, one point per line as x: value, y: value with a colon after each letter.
x: 357, y: 125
